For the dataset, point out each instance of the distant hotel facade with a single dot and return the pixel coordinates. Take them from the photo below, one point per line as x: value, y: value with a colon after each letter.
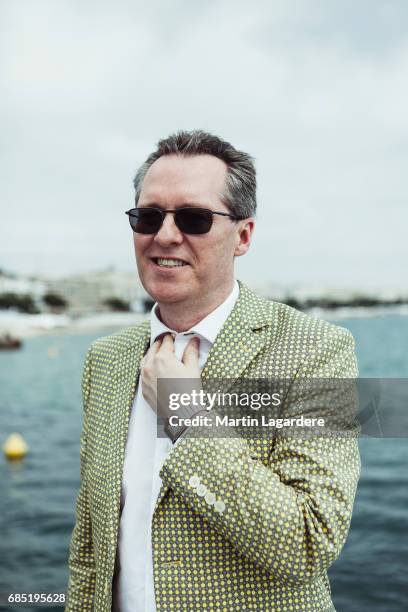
x: 84, y: 293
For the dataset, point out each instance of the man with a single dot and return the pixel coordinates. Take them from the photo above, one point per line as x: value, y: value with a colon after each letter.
x: 191, y: 524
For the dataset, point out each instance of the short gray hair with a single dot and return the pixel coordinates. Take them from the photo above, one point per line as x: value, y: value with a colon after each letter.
x: 240, y: 188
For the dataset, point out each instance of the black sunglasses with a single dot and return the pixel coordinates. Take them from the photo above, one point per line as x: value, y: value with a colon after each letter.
x: 189, y: 220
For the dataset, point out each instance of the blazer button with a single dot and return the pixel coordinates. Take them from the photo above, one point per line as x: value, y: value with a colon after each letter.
x: 201, y: 490
x: 194, y: 481
x: 209, y: 498
x: 219, y: 506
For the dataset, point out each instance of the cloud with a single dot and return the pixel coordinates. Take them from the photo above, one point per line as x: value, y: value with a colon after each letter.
x: 316, y: 91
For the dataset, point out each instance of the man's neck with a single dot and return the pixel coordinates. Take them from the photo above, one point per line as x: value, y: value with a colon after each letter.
x: 182, y: 316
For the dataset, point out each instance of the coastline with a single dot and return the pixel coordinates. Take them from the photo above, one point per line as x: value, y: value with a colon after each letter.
x: 28, y: 325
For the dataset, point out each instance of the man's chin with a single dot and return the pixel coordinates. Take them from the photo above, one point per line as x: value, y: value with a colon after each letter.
x: 167, y: 293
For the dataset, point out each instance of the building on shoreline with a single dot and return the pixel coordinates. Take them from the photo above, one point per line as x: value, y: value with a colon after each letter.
x: 83, y: 293
x: 88, y: 292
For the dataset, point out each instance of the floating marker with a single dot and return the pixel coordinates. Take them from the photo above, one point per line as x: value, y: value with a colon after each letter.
x: 15, y: 446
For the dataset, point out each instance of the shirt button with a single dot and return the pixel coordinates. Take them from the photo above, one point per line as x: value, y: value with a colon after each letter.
x: 194, y: 481
x: 219, y: 506
x: 209, y: 498
x: 201, y: 490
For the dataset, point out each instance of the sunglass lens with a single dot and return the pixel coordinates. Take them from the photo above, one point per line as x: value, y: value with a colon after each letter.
x: 145, y: 221
x: 193, y: 221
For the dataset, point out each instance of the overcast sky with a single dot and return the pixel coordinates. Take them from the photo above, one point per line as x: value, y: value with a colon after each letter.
x: 316, y: 91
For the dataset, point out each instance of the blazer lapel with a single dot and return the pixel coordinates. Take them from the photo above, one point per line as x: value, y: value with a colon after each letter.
x: 235, y: 347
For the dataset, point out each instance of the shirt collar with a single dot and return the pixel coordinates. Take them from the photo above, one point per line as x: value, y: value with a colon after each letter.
x: 207, y: 328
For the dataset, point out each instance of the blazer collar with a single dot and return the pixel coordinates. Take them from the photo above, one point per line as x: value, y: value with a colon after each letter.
x: 239, y: 337
x: 251, y: 312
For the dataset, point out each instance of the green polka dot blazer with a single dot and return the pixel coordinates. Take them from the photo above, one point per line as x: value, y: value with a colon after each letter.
x: 239, y: 525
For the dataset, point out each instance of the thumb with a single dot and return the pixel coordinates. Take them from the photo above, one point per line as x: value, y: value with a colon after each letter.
x: 191, y: 352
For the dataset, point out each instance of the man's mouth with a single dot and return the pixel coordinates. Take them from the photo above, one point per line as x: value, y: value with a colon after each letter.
x: 167, y: 262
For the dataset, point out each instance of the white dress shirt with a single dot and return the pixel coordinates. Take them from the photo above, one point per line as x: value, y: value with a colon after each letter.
x: 133, y: 588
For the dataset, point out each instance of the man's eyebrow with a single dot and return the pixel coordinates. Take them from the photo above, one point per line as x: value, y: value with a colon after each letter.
x: 181, y: 204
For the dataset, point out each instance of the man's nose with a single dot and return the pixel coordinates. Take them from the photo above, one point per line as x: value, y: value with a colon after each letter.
x: 169, y: 233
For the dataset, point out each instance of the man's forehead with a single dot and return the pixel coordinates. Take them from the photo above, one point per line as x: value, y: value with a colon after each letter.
x: 186, y: 175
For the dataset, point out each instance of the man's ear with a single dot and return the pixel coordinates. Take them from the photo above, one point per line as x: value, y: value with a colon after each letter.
x: 244, y: 236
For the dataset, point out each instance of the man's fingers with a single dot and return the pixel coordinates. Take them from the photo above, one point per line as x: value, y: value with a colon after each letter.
x: 151, y: 353
x: 157, y: 344
x: 167, y: 343
x: 191, y: 352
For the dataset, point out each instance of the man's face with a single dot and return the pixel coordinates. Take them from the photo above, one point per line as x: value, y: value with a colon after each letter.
x: 174, y: 181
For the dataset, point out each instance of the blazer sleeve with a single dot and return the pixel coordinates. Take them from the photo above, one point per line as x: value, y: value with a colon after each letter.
x: 291, y: 514
x: 82, y: 574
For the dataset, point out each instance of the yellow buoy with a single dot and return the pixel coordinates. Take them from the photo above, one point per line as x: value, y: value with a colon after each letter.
x: 15, y: 447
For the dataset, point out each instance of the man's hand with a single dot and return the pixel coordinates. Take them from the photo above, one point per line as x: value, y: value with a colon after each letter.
x: 161, y: 362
